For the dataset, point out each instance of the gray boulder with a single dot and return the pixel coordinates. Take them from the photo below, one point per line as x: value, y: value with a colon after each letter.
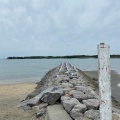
x: 69, y: 104
x: 52, y: 96
x: 80, y: 96
x: 74, y: 113
x: 91, y: 103
x: 47, y: 95
x: 88, y: 91
x: 92, y: 114
x: 92, y: 94
x: 80, y: 107
x: 78, y: 111
x: 65, y: 98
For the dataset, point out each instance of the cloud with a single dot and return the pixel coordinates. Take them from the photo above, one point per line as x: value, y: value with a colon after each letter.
x: 58, y: 27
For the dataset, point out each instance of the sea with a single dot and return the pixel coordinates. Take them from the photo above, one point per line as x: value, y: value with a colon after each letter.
x: 32, y: 70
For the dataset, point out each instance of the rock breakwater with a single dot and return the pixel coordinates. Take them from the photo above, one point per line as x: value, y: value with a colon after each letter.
x: 70, y: 87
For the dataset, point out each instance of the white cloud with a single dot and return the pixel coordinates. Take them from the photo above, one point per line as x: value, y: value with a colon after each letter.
x: 58, y: 27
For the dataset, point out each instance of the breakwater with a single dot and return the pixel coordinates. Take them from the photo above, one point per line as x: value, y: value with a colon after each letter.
x: 70, y: 87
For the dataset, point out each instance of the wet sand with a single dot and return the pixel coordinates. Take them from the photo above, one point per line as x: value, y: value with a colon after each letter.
x: 115, y: 82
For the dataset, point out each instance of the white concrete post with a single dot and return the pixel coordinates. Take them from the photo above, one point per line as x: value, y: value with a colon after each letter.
x: 104, y: 82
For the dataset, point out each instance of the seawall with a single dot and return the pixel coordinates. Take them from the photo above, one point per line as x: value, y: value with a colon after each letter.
x: 69, y: 90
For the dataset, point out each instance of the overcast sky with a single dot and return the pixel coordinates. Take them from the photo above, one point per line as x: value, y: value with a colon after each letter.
x: 58, y: 27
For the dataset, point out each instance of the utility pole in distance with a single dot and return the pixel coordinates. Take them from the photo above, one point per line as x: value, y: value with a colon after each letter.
x: 104, y: 82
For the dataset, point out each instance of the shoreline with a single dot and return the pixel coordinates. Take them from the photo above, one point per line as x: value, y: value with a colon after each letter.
x: 15, y: 83
x: 21, y: 80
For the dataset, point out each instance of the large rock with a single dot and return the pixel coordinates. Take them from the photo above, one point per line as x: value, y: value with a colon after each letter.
x: 80, y: 107
x: 52, y: 96
x: 80, y: 96
x: 47, y: 95
x: 82, y: 118
x: 83, y: 94
x: 91, y: 103
x: 92, y: 114
x: 88, y: 91
x: 69, y: 104
x: 74, y: 113
x: 115, y: 116
x: 65, y: 98
x: 78, y: 110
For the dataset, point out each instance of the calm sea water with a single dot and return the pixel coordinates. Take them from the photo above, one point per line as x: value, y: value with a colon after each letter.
x: 32, y: 70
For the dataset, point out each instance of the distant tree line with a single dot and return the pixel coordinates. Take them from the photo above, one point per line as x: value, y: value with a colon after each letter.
x: 58, y: 57
x: 53, y: 57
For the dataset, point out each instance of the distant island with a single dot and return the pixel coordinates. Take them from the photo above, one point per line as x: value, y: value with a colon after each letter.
x: 58, y: 57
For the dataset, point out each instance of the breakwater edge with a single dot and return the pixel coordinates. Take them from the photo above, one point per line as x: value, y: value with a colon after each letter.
x: 70, y: 87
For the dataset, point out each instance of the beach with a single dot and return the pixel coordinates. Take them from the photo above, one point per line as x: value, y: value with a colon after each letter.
x: 10, y: 96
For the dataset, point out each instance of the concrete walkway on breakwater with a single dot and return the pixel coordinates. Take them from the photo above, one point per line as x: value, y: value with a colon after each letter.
x: 67, y: 86
x: 56, y: 112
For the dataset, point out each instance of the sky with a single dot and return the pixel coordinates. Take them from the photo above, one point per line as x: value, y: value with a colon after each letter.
x: 58, y: 27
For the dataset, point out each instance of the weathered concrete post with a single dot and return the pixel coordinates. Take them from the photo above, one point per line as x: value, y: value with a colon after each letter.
x: 104, y: 82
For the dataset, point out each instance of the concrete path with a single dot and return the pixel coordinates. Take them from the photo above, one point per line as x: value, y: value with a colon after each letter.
x: 56, y: 112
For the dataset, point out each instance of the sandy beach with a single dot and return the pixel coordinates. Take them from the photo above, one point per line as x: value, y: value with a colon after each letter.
x: 10, y: 97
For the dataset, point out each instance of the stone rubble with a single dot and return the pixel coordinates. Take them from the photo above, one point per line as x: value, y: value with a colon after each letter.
x: 66, y: 85
x: 91, y: 103
x: 69, y: 104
